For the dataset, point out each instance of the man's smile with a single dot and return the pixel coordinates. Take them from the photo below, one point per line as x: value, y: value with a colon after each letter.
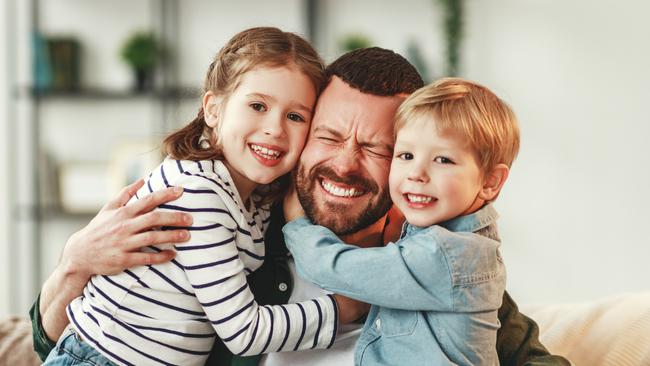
x: 341, y: 190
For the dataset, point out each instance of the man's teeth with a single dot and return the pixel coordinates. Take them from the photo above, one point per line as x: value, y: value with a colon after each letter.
x: 265, y: 152
x: 341, y: 192
x: 418, y: 199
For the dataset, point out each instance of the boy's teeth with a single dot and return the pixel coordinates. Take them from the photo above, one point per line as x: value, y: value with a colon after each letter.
x: 267, y: 153
x: 340, y: 192
x: 418, y: 199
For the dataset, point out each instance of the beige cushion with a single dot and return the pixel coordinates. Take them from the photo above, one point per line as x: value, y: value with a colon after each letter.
x: 16, y: 343
x: 613, y: 331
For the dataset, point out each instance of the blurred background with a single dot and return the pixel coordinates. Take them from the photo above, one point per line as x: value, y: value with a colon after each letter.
x: 89, y: 88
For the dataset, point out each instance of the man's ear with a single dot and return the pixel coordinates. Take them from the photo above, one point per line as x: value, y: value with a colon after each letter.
x: 493, y: 181
x: 211, y: 106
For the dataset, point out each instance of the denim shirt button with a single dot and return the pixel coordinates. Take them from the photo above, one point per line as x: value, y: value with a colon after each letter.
x: 378, y: 324
x: 283, y: 287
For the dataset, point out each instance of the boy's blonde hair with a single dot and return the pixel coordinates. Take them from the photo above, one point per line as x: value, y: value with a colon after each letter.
x: 472, y: 112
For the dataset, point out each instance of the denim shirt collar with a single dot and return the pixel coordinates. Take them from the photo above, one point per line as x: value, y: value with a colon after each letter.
x: 478, y: 220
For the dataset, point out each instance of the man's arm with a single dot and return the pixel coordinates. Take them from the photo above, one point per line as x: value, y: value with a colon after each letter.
x: 107, y: 245
x: 518, y: 339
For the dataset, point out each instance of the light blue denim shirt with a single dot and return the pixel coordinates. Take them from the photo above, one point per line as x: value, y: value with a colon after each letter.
x: 435, y: 293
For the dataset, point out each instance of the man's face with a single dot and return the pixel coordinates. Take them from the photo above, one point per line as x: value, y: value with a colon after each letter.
x: 342, y: 179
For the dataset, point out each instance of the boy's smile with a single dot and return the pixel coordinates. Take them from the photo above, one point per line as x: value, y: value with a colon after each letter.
x: 434, y: 176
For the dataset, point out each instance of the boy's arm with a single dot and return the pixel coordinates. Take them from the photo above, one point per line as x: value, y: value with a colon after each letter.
x: 417, y: 275
x: 518, y: 339
x: 108, y: 244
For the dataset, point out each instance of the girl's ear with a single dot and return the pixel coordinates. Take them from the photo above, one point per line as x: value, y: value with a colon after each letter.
x: 211, y: 106
x: 493, y: 181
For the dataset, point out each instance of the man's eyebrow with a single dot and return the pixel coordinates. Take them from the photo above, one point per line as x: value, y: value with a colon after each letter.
x: 329, y: 130
x: 268, y: 97
x: 388, y: 147
x: 369, y: 144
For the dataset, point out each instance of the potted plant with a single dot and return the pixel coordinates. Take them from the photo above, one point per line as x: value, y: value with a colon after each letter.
x: 142, y: 52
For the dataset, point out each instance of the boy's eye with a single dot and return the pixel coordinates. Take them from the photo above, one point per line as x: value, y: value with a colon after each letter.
x: 405, y: 156
x: 259, y: 107
x: 442, y: 160
x: 296, y: 117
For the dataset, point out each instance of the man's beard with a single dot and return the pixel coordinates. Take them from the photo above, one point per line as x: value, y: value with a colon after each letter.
x: 336, y: 217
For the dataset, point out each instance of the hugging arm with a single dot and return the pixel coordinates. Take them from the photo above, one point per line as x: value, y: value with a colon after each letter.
x: 417, y: 275
x: 107, y: 245
x: 518, y: 339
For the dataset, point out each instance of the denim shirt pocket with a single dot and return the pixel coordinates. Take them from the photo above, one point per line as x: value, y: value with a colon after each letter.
x: 397, y: 322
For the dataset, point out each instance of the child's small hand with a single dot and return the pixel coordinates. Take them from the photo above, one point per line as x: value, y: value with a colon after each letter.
x: 349, y: 309
x: 292, y: 207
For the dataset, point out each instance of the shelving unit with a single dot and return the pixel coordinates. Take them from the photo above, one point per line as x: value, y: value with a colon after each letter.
x: 80, y: 125
x: 40, y: 225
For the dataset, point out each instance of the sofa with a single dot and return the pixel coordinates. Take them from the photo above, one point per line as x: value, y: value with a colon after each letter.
x: 613, y: 331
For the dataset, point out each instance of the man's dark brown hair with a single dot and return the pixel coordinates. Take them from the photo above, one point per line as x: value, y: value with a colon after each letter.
x: 376, y: 71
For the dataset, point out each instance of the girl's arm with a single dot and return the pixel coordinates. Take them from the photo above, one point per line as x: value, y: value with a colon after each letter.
x: 414, y: 274
x: 211, y: 260
x: 107, y: 245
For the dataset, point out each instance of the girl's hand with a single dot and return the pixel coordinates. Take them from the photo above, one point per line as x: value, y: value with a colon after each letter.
x: 292, y: 207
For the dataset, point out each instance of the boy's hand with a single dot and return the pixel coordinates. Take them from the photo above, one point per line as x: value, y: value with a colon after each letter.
x: 292, y: 207
x: 349, y: 309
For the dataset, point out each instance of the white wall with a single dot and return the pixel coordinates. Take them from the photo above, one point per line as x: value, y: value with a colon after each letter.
x: 4, y: 162
x: 577, y: 74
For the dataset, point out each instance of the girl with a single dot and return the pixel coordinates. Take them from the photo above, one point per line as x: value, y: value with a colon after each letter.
x: 231, y: 160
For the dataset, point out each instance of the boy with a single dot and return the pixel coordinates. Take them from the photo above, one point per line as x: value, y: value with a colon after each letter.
x: 436, y: 292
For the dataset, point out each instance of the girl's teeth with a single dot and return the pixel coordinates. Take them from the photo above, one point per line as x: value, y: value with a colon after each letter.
x: 418, y: 198
x: 265, y: 152
x: 341, y: 192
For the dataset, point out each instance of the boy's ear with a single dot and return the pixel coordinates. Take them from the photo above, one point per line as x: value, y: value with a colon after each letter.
x: 493, y: 181
x: 211, y: 105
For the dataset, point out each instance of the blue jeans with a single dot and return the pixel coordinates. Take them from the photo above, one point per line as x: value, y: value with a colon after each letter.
x: 71, y: 350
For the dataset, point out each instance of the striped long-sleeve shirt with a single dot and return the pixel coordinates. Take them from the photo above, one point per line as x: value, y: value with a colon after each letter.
x: 171, y: 313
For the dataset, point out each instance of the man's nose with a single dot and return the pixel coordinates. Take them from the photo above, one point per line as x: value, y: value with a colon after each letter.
x: 346, y: 160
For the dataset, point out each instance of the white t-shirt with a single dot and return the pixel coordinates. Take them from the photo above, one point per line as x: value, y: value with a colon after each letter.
x: 341, y: 352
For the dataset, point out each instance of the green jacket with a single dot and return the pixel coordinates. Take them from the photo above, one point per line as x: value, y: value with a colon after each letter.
x: 517, y: 339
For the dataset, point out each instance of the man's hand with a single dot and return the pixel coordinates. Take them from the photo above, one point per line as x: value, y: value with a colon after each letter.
x: 292, y: 207
x: 111, y: 242
x: 349, y: 309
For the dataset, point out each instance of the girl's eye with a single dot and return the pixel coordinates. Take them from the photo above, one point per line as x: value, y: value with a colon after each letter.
x: 296, y: 117
x: 442, y: 160
x: 259, y: 107
x: 405, y: 156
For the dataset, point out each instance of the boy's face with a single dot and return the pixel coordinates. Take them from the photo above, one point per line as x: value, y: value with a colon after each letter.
x: 434, y: 176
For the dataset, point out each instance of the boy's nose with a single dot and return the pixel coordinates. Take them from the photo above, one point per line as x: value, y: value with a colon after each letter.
x: 418, y: 174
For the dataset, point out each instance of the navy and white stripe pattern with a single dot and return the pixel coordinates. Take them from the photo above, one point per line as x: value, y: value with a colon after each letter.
x: 169, y: 314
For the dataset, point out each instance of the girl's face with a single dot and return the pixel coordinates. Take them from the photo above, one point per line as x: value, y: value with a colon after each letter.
x: 264, y: 124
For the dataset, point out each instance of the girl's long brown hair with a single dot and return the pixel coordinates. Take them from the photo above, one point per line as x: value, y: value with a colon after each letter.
x: 260, y: 46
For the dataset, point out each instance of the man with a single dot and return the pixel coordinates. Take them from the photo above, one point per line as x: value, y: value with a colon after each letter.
x: 342, y: 182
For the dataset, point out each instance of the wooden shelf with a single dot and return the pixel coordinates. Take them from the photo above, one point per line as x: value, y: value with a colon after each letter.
x: 106, y: 94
